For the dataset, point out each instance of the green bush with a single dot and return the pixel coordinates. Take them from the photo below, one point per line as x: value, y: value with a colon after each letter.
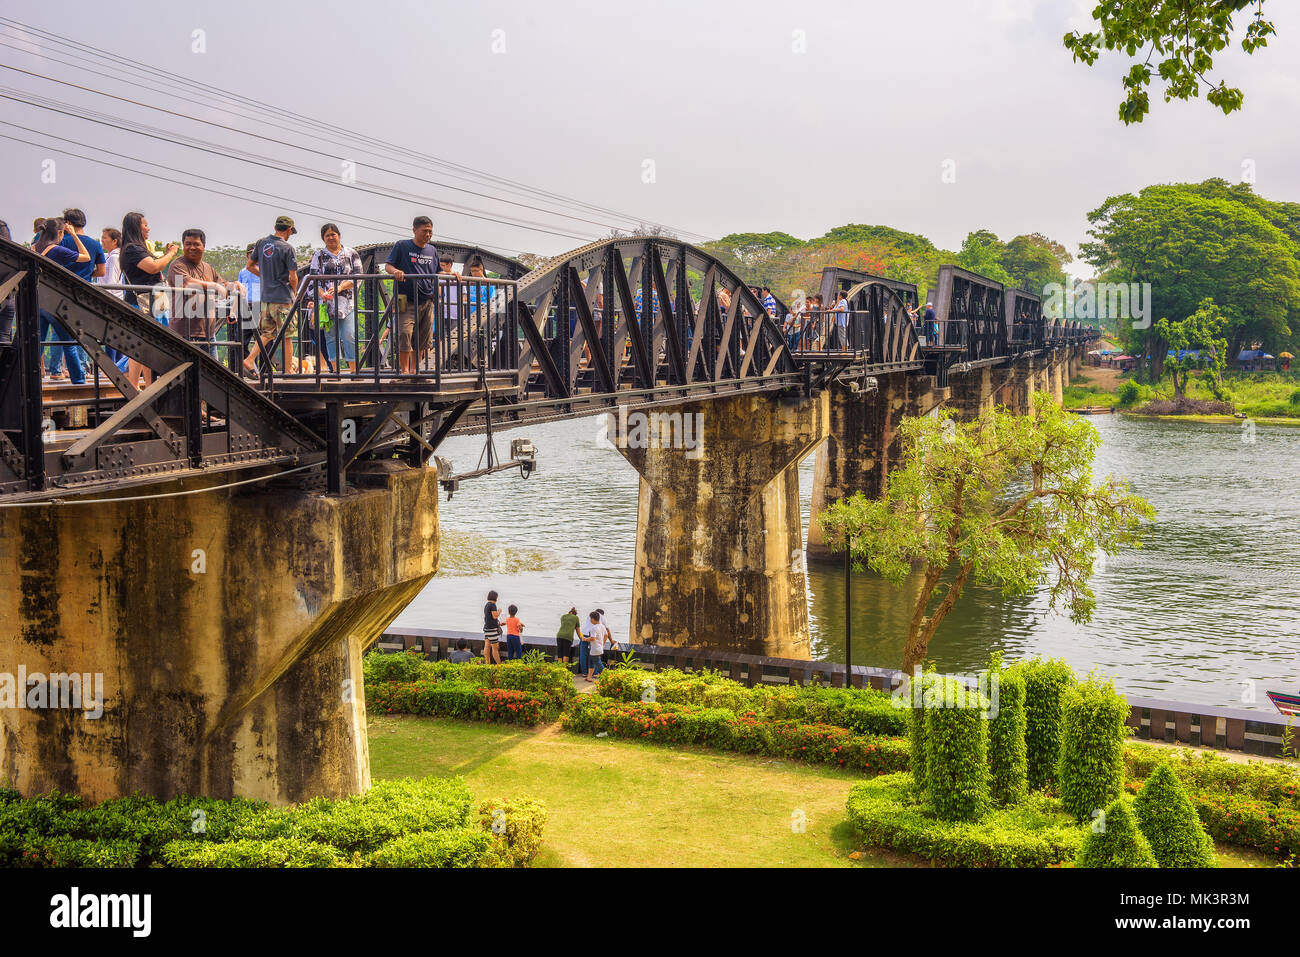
x: 916, y: 741
x: 78, y: 852
x: 1169, y: 822
x: 1205, y: 771
x: 277, y: 852
x: 516, y: 827
x: 1130, y: 393
x: 1045, y: 681
x: 956, y: 753
x: 381, y: 666
x: 458, y: 847
x: 1033, y: 834
x: 1114, y: 840
x: 1091, y: 768
x: 1247, y: 823
x: 1008, y: 758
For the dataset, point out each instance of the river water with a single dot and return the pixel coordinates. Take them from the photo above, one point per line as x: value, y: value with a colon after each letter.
x: 1206, y: 611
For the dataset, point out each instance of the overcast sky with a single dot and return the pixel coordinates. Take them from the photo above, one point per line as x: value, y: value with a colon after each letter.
x: 756, y: 115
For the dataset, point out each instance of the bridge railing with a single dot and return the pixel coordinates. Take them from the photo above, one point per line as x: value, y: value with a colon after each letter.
x: 942, y: 333
x: 356, y: 327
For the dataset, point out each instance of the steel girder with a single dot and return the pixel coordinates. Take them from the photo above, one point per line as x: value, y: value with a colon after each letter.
x: 196, y: 418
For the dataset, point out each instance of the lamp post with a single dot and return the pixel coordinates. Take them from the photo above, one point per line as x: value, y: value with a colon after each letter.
x: 848, y: 614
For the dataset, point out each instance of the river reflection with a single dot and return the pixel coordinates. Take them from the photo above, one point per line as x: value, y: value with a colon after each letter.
x: 1206, y: 611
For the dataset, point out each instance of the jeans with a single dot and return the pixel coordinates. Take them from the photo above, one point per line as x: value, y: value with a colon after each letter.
x: 75, y: 372
x: 514, y: 647
x: 582, y: 657
x: 346, y: 330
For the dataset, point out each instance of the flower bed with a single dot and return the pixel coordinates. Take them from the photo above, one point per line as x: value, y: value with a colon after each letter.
x: 861, y: 710
x: 407, y: 823
x: 1034, y: 833
x: 748, y: 732
x: 516, y: 693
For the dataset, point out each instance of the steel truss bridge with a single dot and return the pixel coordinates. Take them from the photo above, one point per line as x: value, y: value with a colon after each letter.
x: 635, y: 321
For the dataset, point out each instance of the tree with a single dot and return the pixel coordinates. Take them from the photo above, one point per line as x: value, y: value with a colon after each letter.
x: 1005, y: 499
x: 752, y: 250
x: 981, y: 252
x: 1185, y: 34
x: 1033, y: 261
x: 1196, y: 345
x: 1169, y: 821
x: 1189, y: 242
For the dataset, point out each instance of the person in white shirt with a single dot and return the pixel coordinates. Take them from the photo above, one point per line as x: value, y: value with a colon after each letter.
x: 842, y: 321
x: 593, y: 637
x: 111, y: 240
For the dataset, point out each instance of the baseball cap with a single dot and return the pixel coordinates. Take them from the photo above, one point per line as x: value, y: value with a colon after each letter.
x: 284, y: 222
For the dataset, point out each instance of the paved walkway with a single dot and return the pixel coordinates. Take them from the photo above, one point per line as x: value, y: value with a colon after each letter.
x: 1238, y: 757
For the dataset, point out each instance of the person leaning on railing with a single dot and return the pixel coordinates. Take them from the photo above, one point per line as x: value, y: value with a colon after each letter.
x: 339, y: 297
x: 196, y: 288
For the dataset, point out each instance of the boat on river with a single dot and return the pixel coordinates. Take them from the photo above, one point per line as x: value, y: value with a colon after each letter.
x: 1286, y: 703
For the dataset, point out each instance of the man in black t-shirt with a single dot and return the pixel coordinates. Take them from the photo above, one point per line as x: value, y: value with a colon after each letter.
x: 415, y: 256
x: 275, y: 263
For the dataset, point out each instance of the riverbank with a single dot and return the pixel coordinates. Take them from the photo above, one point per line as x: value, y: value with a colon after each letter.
x: 1212, y: 419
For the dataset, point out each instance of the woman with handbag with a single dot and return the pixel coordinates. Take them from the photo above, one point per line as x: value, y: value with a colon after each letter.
x: 339, y: 297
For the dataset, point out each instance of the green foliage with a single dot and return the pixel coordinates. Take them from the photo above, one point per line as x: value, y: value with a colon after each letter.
x: 956, y: 755
x: 1247, y: 823
x: 916, y: 744
x: 1168, y: 820
x: 1008, y: 755
x: 1132, y: 393
x: 1114, y: 840
x: 59, y: 831
x: 516, y: 827
x: 518, y: 692
x: 1004, y: 499
x: 379, y: 666
x: 1091, y: 766
x: 1045, y: 683
x: 276, y: 852
x: 1034, y: 833
x: 1208, y: 772
x: 1184, y: 37
x: 456, y: 847
x: 981, y: 253
x: 1198, y: 333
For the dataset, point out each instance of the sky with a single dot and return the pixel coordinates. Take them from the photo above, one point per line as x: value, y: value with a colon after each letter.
x: 706, y: 116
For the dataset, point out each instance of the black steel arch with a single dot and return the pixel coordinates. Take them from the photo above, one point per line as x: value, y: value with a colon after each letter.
x: 888, y: 334
x: 679, y: 335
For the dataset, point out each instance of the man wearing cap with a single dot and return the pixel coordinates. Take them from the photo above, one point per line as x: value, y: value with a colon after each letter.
x: 415, y: 256
x: 931, y: 324
x: 275, y: 263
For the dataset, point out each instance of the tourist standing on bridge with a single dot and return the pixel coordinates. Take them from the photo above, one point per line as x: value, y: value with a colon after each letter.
x: 931, y: 324
x: 769, y: 302
x: 276, y: 266
x: 415, y: 256
x: 842, y: 322
x: 196, y: 287
x: 111, y: 241
x: 49, y: 245
x: 140, y: 267
x: 492, y: 630
x: 339, y: 296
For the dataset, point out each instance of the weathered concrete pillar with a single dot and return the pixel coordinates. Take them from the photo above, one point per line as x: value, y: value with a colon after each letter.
x: 973, y: 393
x: 719, y: 551
x: 863, y: 445
x: 227, y: 627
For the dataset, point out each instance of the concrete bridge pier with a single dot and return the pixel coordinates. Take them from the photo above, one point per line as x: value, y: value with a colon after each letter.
x: 719, y: 556
x: 226, y: 627
x: 863, y: 444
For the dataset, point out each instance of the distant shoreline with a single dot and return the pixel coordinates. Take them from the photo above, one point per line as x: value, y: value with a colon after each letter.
x: 1213, y: 419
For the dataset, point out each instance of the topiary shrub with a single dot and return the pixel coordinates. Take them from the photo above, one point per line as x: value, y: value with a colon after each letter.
x: 1114, y: 840
x: 516, y: 827
x: 1045, y: 681
x: 1091, y: 767
x: 956, y: 746
x: 1008, y: 759
x: 916, y: 735
x: 399, y: 666
x: 1169, y: 822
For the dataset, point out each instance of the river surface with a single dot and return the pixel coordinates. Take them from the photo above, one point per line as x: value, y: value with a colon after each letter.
x: 1206, y: 611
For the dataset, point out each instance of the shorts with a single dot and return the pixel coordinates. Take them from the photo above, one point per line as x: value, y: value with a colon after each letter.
x: 273, y: 316
x: 564, y: 647
x: 407, y: 325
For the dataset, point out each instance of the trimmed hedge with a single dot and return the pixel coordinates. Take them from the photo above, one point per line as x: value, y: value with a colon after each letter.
x: 1248, y: 823
x: 1212, y: 773
x: 1008, y: 754
x: 57, y: 830
x: 1045, y: 682
x: 956, y: 754
x: 514, y: 692
x: 1091, y: 767
x: 1168, y: 820
x: 1033, y: 834
x: 1115, y: 840
x: 861, y: 710
x: 748, y: 733
x: 516, y: 827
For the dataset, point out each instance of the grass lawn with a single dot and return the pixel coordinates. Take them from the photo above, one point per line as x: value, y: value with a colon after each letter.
x: 622, y: 804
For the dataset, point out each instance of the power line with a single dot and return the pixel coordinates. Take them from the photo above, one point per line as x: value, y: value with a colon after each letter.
x: 119, y: 62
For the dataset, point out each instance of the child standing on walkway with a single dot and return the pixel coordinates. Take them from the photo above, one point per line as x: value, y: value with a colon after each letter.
x: 514, y: 633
